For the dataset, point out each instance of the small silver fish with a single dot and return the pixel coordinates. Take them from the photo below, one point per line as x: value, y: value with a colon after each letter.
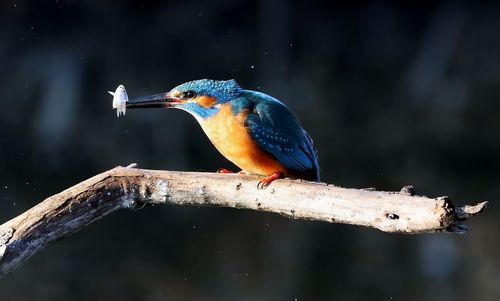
x: 120, y: 99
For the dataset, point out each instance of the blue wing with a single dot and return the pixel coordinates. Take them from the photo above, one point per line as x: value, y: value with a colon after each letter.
x: 276, y: 131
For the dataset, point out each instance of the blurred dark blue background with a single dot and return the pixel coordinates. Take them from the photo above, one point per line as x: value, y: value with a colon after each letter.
x: 392, y: 94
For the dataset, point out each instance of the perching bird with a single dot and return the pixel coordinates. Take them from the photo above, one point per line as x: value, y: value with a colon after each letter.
x: 253, y: 130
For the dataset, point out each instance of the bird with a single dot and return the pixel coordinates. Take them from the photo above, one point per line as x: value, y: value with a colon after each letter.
x: 253, y: 130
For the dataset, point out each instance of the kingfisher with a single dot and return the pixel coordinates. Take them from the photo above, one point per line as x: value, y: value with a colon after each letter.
x: 255, y: 131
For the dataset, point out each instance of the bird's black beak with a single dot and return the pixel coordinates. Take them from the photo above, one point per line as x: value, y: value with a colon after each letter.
x: 162, y: 100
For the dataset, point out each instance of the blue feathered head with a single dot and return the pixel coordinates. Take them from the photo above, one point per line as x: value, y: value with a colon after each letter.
x: 222, y: 90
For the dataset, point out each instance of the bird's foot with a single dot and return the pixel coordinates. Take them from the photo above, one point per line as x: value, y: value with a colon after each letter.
x: 267, y: 180
x: 223, y: 170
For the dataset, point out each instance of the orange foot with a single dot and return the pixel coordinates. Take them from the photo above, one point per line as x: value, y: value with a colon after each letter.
x: 267, y: 180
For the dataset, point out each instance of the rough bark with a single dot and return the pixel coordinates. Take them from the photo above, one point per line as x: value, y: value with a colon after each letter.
x: 65, y: 213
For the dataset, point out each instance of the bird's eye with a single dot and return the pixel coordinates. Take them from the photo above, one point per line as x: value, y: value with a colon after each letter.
x: 188, y: 95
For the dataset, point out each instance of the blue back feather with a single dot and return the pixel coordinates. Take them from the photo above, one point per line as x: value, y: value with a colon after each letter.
x: 276, y: 131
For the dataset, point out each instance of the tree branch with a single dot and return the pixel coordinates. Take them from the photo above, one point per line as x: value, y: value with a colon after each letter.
x: 67, y: 212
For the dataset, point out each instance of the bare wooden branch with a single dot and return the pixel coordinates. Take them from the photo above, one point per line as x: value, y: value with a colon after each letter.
x: 67, y: 212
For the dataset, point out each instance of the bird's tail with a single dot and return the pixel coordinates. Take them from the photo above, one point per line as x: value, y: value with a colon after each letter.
x: 312, y: 153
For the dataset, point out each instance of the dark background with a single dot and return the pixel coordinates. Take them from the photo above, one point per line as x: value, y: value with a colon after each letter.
x: 392, y: 94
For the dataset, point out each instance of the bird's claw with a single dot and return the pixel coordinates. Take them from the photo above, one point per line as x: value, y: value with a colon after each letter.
x: 264, y: 183
x: 223, y: 170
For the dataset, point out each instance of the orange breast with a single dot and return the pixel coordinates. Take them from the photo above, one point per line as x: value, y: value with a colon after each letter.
x: 229, y: 135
